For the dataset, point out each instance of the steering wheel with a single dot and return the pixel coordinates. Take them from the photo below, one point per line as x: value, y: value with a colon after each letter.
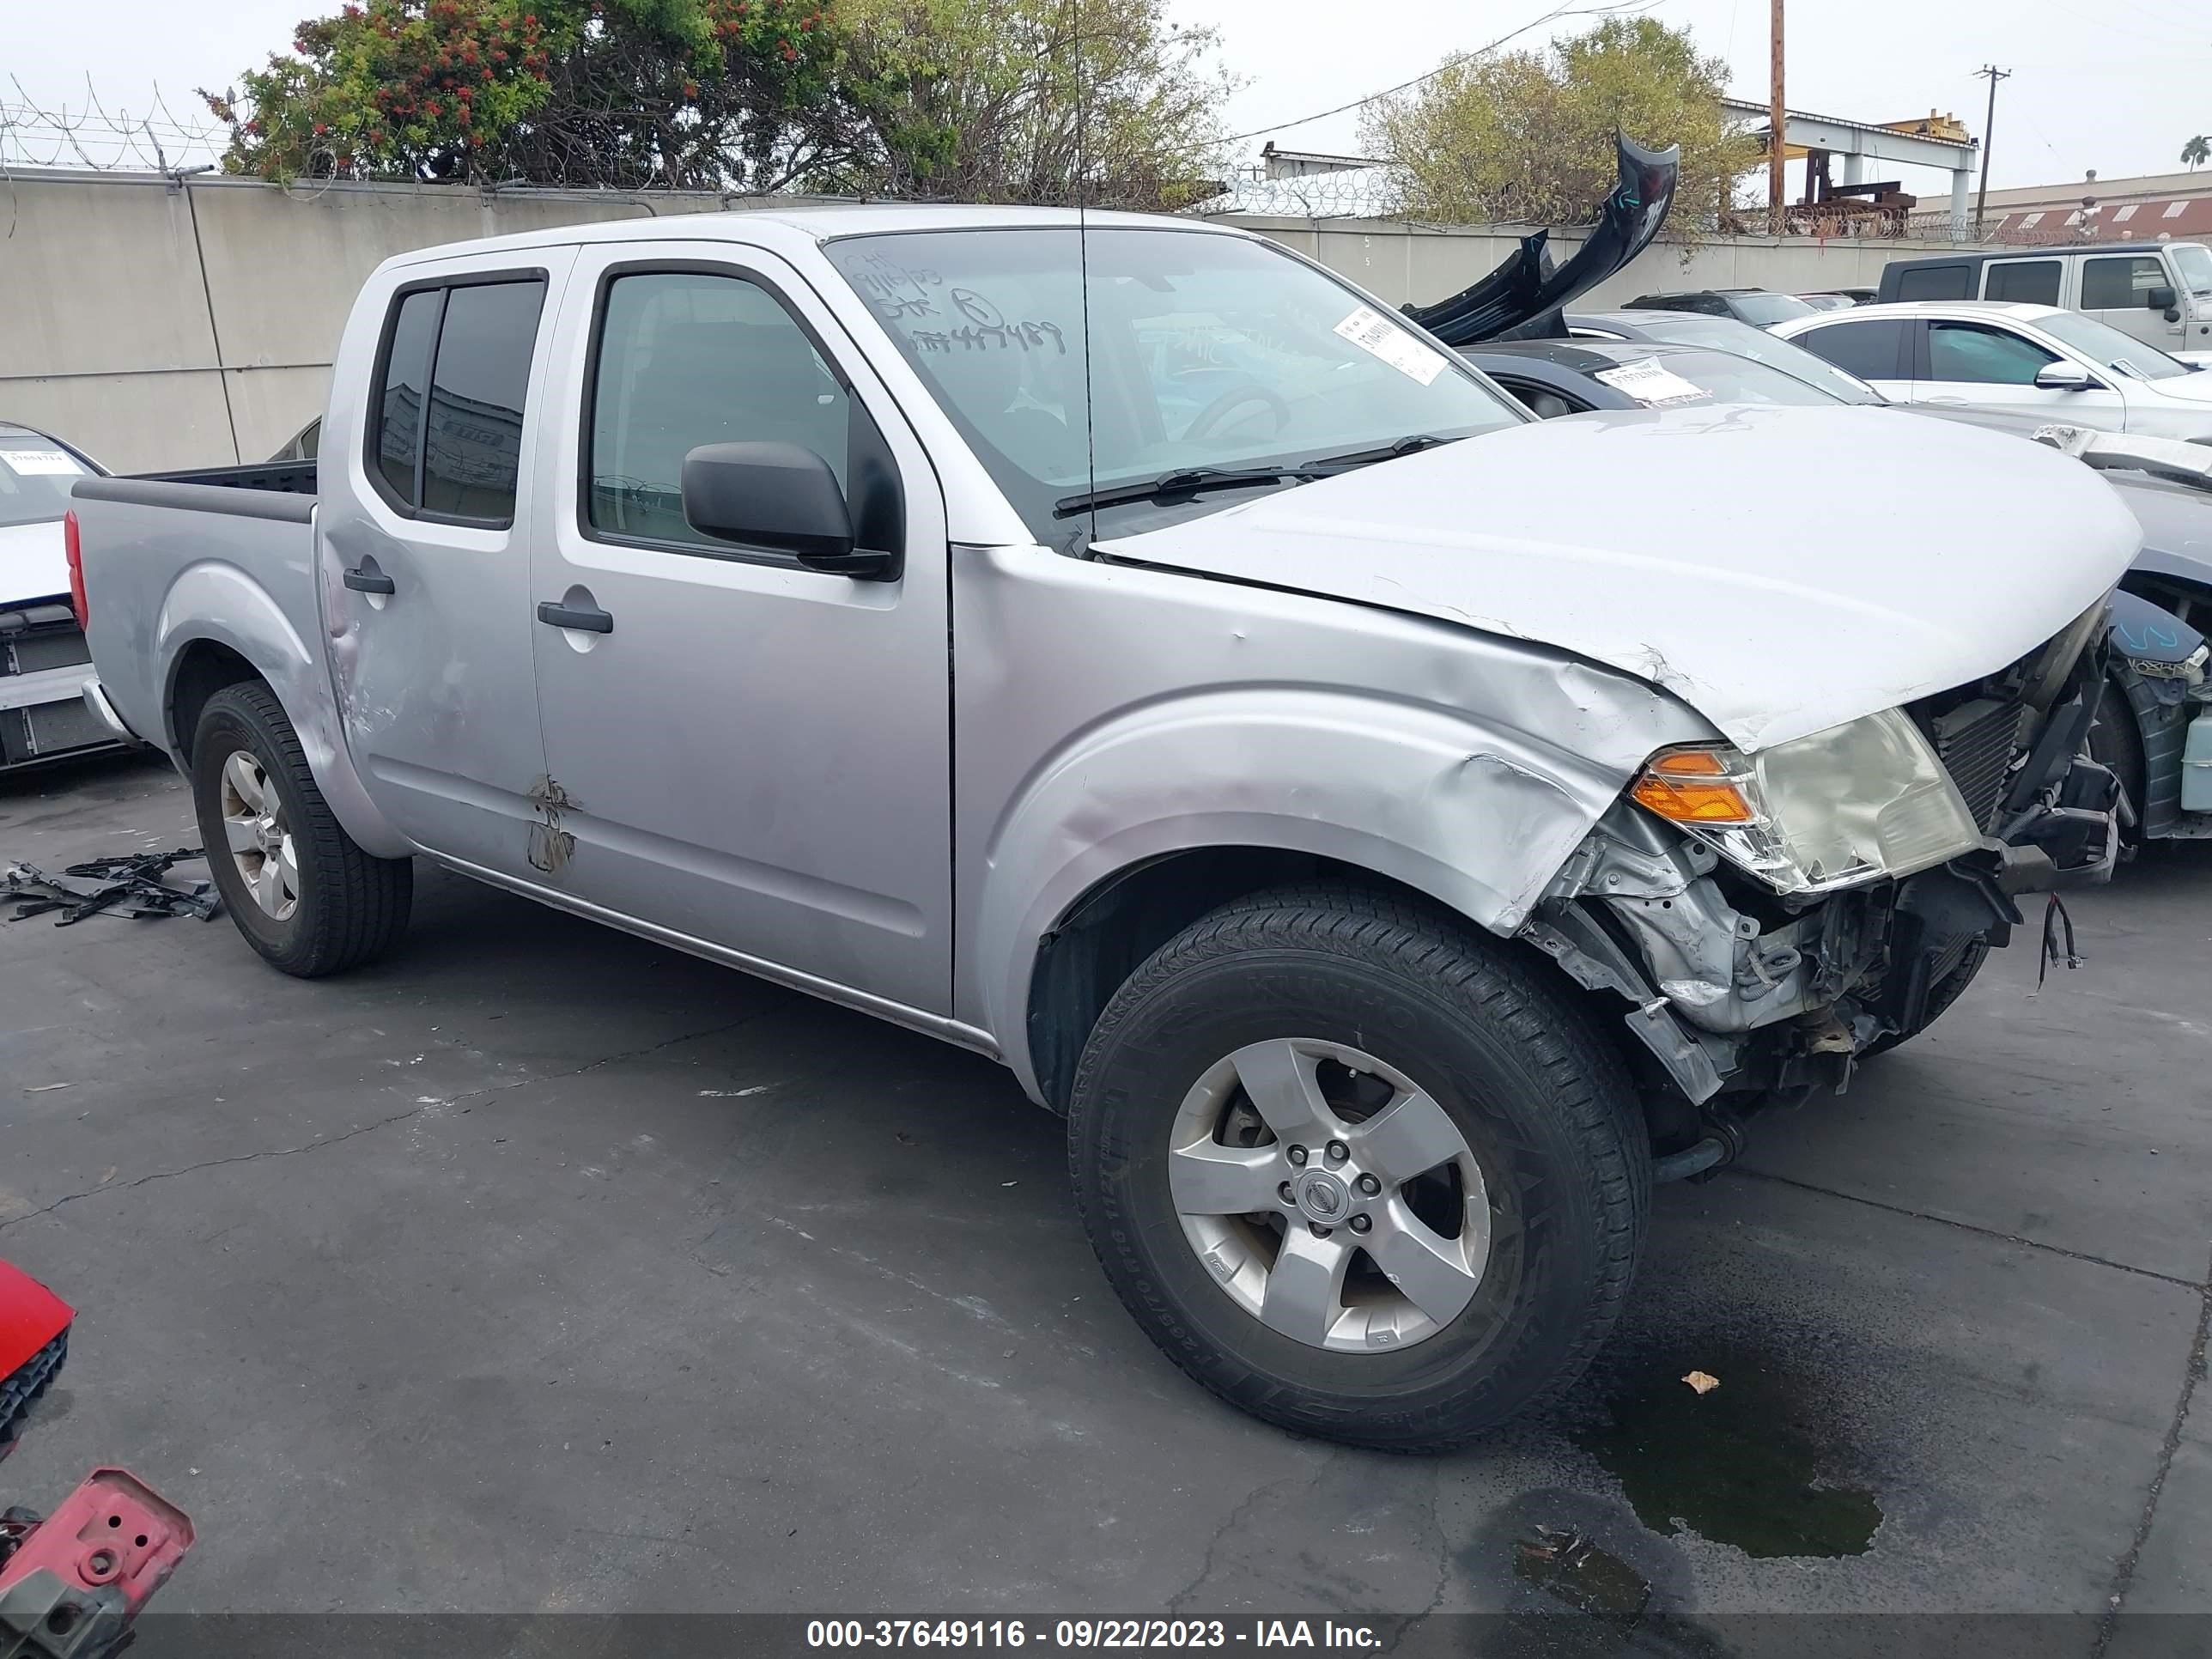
x: 1203, y: 423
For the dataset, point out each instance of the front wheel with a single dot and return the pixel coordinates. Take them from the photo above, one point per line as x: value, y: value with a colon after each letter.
x: 302, y: 890
x: 1358, y: 1170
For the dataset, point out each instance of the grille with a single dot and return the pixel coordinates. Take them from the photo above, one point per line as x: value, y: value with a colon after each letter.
x: 1975, y: 742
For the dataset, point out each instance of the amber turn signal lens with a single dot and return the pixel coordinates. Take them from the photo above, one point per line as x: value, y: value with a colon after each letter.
x: 1693, y: 785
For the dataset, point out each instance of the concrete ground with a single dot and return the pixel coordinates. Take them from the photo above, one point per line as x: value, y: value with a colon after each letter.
x: 539, y: 1268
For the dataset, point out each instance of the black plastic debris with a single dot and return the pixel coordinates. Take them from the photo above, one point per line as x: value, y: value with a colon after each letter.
x: 131, y: 886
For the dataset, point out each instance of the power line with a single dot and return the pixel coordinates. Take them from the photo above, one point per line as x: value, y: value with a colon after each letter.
x: 1550, y: 17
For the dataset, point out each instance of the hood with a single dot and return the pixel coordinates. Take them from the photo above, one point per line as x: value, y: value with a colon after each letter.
x: 2193, y: 389
x: 1701, y: 550
x: 33, y: 563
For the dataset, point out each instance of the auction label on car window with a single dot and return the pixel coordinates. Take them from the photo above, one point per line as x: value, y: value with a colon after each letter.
x: 29, y: 463
x: 1652, y: 386
x: 1379, y: 336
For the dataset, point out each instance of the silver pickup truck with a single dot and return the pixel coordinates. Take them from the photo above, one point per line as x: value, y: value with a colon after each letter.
x: 1395, y: 832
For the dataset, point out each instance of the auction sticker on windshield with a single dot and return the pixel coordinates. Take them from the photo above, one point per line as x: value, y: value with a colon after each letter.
x: 1379, y: 336
x: 32, y: 463
x: 1650, y: 384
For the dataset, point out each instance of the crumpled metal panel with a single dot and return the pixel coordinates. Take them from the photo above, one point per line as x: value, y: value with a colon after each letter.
x: 1108, y: 715
x: 1705, y: 571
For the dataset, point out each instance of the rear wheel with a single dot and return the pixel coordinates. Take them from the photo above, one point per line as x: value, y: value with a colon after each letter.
x: 1358, y: 1170
x: 301, y: 892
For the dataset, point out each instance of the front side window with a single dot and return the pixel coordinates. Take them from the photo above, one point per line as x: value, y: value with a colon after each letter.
x: 686, y: 358
x: 2032, y: 281
x: 1977, y: 355
x: 1202, y: 351
x: 445, y: 436
x: 2120, y: 284
x: 1869, y: 349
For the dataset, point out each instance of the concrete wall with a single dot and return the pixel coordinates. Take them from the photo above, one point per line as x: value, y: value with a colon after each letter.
x: 160, y: 325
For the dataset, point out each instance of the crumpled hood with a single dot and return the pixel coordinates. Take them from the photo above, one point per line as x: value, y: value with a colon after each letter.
x: 1780, y: 570
x: 33, y: 563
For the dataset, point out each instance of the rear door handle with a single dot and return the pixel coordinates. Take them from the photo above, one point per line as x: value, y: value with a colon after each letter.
x: 569, y: 616
x: 370, y: 582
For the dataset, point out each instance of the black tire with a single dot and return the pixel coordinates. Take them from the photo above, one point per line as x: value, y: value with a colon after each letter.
x: 1544, y: 1101
x: 1945, y: 992
x: 349, y: 906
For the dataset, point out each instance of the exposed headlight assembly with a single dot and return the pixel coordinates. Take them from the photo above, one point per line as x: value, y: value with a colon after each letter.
x: 1861, y: 800
x: 2190, y: 670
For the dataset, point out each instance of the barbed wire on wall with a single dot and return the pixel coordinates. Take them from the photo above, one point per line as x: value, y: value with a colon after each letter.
x: 104, y: 136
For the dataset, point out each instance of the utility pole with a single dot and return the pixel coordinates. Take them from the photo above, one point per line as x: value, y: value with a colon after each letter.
x: 1994, y: 74
x: 1777, y: 120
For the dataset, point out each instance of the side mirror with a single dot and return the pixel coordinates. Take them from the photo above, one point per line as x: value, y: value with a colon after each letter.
x: 2161, y: 298
x: 2051, y: 377
x: 780, y: 496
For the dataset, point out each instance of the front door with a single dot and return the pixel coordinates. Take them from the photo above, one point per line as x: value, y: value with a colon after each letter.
x: 751, y: 753
x: 2117, y: 290
x: 426, y: 569
x: 1994, y: 368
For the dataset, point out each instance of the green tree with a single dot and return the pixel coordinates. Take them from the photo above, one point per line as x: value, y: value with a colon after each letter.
x: 1029, y: 100
x: 1527, y: 137
x: 703, y: 94
x: 2196, y: 152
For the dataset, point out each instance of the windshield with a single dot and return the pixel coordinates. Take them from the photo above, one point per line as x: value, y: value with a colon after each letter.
x: 1726, y: 334
x: 1679, y: 378
x: 2109, y: 348
x: 2195, y: 265
x: 1765, y: 308
x: 1204, y: 351
x: 35, y: 476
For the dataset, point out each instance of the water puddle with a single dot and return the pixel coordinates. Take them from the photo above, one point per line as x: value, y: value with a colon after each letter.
x: 1742, y: 1464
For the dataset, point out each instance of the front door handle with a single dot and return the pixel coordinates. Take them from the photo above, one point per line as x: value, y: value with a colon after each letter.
x: 591, y: 620
x: 370, y: 582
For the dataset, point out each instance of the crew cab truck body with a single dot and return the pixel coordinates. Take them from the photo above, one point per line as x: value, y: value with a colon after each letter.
x: 1393, y: 830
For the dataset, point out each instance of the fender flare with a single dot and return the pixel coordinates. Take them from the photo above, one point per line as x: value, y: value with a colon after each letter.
x: 216, y: 603
x: 1478, y: 817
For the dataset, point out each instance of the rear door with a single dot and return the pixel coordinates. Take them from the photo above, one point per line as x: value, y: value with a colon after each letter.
x: 2116, y: 289
x: 426, y: 570
x: 753, y: 755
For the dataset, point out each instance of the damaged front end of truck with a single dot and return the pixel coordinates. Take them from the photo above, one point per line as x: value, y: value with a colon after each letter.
x: 1764, y: 946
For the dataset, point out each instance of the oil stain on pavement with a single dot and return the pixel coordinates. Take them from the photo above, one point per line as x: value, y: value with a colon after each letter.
x: 1740, y: 1465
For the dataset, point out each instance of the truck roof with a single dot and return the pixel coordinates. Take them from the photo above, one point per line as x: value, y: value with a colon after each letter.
x: 2030, y: 251
x: 773, y: 228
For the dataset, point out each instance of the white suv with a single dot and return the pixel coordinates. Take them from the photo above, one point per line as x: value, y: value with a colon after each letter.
x: 2025, y: 358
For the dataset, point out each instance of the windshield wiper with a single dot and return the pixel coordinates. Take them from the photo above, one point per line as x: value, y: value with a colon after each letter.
x: 1412, y: 444
x: 1188, y: 481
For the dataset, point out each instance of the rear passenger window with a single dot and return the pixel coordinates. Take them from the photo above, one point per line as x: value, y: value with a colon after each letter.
x: 1869, y: 349
x: 2031, y: 281
x: 1936, y: 283
x: 454, y: 454
x: 686, y: 358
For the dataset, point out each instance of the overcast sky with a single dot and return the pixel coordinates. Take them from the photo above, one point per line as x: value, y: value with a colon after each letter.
x: 2116, y: 85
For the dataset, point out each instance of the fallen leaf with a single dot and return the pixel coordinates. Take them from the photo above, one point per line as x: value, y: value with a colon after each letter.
x: 1703, y: 1382
x: 107, y: 1176
x: 46, y: 1088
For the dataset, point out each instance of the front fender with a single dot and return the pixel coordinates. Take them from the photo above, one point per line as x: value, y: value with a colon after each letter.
x: 219, y: 603
x: 1478, y: 817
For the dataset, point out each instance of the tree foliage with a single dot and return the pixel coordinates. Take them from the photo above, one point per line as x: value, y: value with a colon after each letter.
x: 2196, y: 152
x: 1030, y: 100
x: 1527, y: 137
x: 972, y: 100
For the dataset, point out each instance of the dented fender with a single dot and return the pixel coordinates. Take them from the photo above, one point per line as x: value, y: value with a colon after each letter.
x: 217, y: 602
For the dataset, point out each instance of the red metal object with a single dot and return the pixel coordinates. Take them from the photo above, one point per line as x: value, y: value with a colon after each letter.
x: 31, y: 1316
x: 73, y: 548
x: 111, y: 1544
